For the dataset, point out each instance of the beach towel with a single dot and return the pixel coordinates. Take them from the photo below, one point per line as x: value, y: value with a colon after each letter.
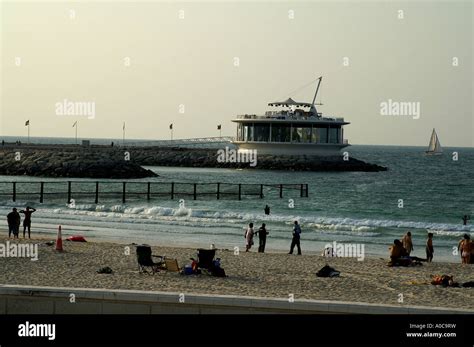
x: 327, y: 271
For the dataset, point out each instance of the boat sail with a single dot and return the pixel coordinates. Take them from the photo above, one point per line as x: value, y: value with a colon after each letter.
x: 434, y: 148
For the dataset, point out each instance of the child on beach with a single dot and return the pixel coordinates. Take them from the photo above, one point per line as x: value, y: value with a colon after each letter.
x: 249, y: 237
x: 429, y: 248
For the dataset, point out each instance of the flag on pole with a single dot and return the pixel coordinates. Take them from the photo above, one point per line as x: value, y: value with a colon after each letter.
x: 171, y: 126
x: 219, y: 127
x: 75, y: 123
x: 27, y: 123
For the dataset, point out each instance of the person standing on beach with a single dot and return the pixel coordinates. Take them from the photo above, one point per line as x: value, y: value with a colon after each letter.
x: 249, y: 237
x: 429, y: 248
x: 464, y: 248
x: 13, y: 219
x: 407, y: 243
x: 296, y: 238
x: 27, y: 221
x: 262, y: 238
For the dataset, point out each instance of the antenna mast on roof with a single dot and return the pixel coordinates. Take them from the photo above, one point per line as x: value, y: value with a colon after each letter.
x: 313, y: 108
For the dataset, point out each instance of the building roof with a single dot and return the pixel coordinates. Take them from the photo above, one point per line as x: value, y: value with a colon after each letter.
x: 290, y: 102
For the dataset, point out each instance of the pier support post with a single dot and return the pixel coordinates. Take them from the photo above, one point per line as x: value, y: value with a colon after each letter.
x: 172, y: 190
x: 306, y: 189
x: 123, y: 192
x: 41, y: 191
x: 281, y: 191
x: 148, y: 191
x: 240, y: 191
x: 218, y: 190
x: 14, y: 191
x: 96, y: 192
x: 261, y: 191
x: 69, y: 192
x: 194, y: 194
x: 301, y: 191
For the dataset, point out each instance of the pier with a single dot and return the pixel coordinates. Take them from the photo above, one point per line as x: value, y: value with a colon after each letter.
x: 96, y: 191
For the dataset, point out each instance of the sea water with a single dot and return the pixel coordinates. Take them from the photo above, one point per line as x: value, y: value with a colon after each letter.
x: 418, y: 193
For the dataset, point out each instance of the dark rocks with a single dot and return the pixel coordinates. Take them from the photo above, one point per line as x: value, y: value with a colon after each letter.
x: 54, y: 162
x: 108, y: 162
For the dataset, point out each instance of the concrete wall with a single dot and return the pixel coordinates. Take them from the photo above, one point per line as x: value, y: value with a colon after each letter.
x: 50, y: 300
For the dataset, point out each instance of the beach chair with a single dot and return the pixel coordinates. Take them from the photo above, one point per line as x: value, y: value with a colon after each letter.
x: 205, y: 258
x: 172, y: 265
x: 146, y: 264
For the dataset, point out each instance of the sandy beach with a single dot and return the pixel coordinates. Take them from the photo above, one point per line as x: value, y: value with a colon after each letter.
x: 273, y: 275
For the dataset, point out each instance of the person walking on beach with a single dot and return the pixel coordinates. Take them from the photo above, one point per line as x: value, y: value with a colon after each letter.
x: 407, y: 243
x: 296, y: 238
x: 262, y: 238
x: 249, y: 237
x: 429, y: 248
x: 13, y: 219
x: 27, y: 221
x: 267, y: 210
x: 464, y: 248
x: 465, y: 218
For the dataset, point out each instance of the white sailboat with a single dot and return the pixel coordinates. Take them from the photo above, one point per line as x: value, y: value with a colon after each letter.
x: 434, y: 148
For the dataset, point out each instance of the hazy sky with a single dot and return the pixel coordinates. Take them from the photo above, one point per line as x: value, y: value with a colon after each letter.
x: 190, y: 61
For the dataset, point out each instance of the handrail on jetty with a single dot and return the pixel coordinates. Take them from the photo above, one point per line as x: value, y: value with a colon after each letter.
x: 150, y: 190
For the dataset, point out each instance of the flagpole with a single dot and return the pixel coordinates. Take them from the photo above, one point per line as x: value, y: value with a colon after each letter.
x: 76, y: 131
x: 123, y: 135
x: 28, y: 132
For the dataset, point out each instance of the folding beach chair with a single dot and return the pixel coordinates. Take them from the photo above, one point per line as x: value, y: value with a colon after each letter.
x: 172, y: 265
x: 205, y: 258
x: 145, y: 260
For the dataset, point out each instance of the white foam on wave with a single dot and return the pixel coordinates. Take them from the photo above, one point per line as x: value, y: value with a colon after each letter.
x: 323, y: 224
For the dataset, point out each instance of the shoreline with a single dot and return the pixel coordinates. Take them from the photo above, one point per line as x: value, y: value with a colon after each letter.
x: 273, y: 275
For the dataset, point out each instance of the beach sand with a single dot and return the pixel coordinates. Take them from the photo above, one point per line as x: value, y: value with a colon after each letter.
x: 274, y: 275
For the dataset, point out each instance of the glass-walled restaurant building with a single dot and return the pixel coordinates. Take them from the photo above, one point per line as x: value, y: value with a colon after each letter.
x: 291, y: 133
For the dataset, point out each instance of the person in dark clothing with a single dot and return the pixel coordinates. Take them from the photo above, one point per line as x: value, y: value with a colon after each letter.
x: 13, y: 219
x: 296, y: 238
x: 262, y: 238
x: 429, y: 248
x: 27, y: 221
x: 465, y: 218
x: 267, y: 210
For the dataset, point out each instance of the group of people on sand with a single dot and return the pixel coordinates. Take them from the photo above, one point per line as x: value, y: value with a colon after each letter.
x: 401, y: 249
x: 14, y: 221
x: 262, y: 233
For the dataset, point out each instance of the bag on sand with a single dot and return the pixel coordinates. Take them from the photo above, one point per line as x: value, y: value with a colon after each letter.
x: 218, y: 272
x: 327, y: 271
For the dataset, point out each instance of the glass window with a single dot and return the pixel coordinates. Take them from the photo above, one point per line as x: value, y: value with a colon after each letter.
x: 314, y: 135
x: 248, y: 132
x: 262, y: 132
x: 280, y: 133
x: 297, y: 135
x: 306, y: 135
x: 322, y: 134
x: 333, y: 135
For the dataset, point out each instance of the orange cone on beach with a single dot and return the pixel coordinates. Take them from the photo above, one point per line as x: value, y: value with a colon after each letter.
x: 59, y: 241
